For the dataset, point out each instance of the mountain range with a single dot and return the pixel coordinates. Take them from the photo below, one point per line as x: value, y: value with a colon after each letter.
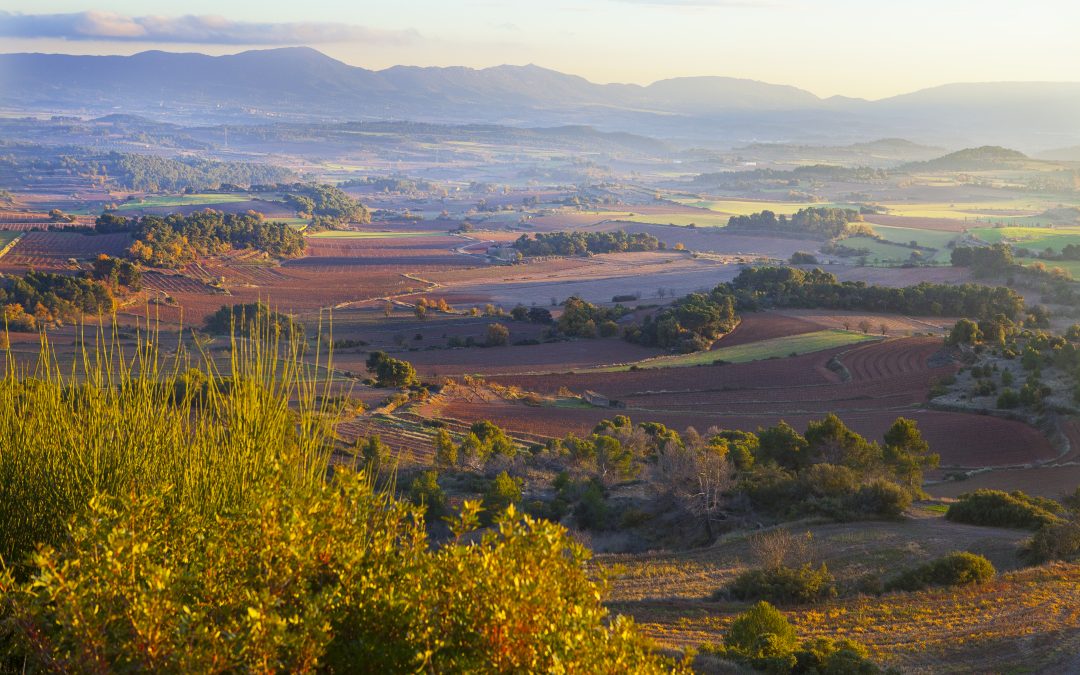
x: 300, y: 83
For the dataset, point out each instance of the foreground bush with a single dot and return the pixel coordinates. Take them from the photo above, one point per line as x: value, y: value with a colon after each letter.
x: 332, y: 577
x: 954, y: 569
x: 1004, y: 509
x: 117, y: 421
x: 763, y: 639
x: 783, y: 585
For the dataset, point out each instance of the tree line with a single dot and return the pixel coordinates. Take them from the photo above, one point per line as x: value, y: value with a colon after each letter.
x: 826, y: 222
x: 175, y: 240
x: 40, y: 299
x: 581, y: 243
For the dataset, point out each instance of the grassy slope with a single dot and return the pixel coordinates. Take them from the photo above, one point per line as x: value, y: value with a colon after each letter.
x: 1037, y: 238
x: 753, y: 351
x: 1026, y: 621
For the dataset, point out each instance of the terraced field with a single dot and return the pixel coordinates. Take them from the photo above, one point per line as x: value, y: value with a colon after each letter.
x: 878, y: 382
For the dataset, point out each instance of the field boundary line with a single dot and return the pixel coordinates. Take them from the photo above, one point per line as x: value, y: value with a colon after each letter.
x: 10, y: 245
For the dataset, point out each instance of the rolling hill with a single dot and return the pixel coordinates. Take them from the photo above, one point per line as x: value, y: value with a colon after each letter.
x: 302, y: 83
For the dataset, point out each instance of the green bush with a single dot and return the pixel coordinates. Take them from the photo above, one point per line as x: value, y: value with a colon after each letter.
x: 763, y: 638
x: 761, y: 632
x: 329, y: 577
x: 783, y: 585
x: 1054, y: 541
x: 880, y: 498
x: 954, y: 569
x: 425, y: 491
x: 502, y: 492
x: 1003, y: 509
x: 131, y: 420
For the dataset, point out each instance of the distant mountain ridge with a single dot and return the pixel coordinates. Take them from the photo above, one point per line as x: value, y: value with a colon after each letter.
x: 302, y: 83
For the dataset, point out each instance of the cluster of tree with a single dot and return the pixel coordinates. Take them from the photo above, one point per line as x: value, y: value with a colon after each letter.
x: 824, y: 222
x: 584, y: 319
x: 252, y: 318
x: 764, y: 640
x: 829, y: 470
x: 581, y: 243
x: 44, y: 299
x: 689, y: 324
x: 116, y: 272
x: 327, y: 206
x: 390, y: 372
x: 984, y: 260
x: 762, y: 287
x: 147, y: 173
x: 389, y: 184
x: 152, y: 173
x: 175, y: 240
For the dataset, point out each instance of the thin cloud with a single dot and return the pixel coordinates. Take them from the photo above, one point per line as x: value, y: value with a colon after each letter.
x: 752, y: 4
x: 204, y: 29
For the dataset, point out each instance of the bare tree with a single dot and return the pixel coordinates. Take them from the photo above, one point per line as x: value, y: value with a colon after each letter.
x: 884, y: 328
x: 778, y: 548
x: 864, y: 326
x: 697, y: 478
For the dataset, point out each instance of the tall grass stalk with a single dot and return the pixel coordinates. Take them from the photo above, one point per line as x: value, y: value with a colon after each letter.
x: 131, y: 421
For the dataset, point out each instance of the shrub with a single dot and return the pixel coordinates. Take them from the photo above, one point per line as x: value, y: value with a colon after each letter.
x: 761, y: 632
x: 154, y: 427
x: 879, y: 498
x: 503, y: 491
x: 763, y: 639
x: 839, y: 657
x: 1000, y: 509
x: 497, y: 335
x: 954, y: 569
x: 783, y: 585
x: 325, y: 577
x: 391, y: 372
x: 425, y: 491
x: 592, y: 512
x: 1008, y: 399
x: 1055, y: 541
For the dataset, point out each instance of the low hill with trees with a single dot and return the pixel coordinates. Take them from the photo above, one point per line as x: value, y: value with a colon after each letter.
x: 821, y: 222
x: 175, y: 240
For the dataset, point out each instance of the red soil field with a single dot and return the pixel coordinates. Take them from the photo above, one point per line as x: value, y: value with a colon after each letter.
x: 51, y: 250
x: 889, y: 379
x: 755, y: 327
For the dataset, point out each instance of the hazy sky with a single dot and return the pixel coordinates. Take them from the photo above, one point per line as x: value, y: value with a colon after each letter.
x: 867, y: 48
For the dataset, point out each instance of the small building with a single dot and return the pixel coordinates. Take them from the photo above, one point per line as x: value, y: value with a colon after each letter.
x: 598, y: 400
x: 504, y: 253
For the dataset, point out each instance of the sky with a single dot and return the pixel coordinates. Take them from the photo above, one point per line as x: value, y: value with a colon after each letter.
x: 862, y: 48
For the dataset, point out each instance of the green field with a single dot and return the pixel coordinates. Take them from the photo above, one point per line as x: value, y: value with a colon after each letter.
x: 161, y: 201
x: 703, y: 219
x: 364, y: 234
x: 1036, y: 238
x: 1005, y: 209
x: 925, y: 238
x: 881, y: 251
x: 753, y: 351
x: 744, y: 207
